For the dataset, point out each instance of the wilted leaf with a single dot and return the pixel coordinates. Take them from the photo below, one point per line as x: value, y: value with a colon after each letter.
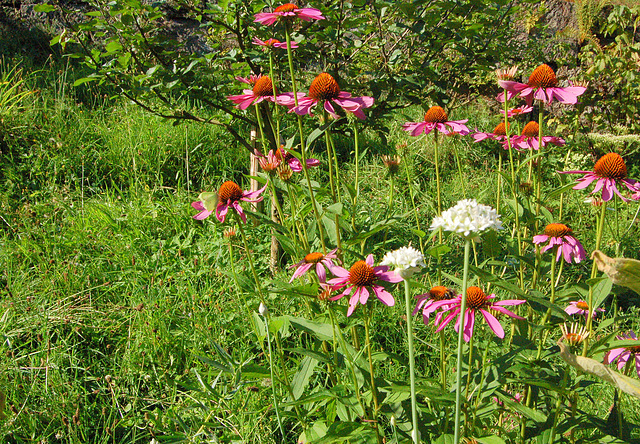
x: 595, y: 368
x: 621, y: 271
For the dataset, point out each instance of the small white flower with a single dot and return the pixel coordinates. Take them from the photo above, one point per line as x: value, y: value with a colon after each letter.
x: 263, y: 310
x: 468, y: 218
x: 405, y: 261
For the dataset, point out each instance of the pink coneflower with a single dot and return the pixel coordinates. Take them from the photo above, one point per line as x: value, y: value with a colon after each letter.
x: 529, y: 139
x: 623, y: 354
x: 498, y: 133
x: 561, y: 236
x: 317, y: 260
x: 262, y: 90
x: 288, y: 11
x: 518, y: 110
x: 268, y: 163
x: 476, y: 300
x: 426, y: 301
x: 580, y: 308
x: 273, y: 43
x: 359, y: 279
x: 324, y: 89
x: 543, y: 86
x: 294, y: 163
x: 229, y: 194
x: 436, y: 118
x: 251, y: 80
x: 608, y: 170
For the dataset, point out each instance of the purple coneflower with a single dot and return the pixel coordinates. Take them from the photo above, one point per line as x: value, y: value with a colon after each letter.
x: 288, y: 11
x: 608, y: 170
x: 529, y: 139
x: 543, y: 86
x: 426, y: 301
x: 229, y: 194
x: 317, y: 260
x: 476, y: 300
x: 498, y: 133
x: 580, y: 308
x: 359, y: 279
x: 436, y: 118
x: 273, y: 43
x: 561, y: 236
x: 262, y: 90
x: 324, y: 89
x: 623, y: 354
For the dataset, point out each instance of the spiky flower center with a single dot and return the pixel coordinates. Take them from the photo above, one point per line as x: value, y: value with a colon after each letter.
x: 436, y: 114
x: 284, y: 172
x: 361, y: 274
x: 476, y: 298
x: 263, y: 87
x: 531, y: 129
x: 500, y: 130
x: 557, y: 230
x: 313, y: 258
x: 543, y: 77
x: 440, y: 293
x: 287, y: 7
x: 229, y: 191
x: 582, y: 305
x: 324, y: 87
x: 611, y: 166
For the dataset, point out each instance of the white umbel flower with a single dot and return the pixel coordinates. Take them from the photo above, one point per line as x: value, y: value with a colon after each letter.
x: 468, y: 218
x: 406, y: 261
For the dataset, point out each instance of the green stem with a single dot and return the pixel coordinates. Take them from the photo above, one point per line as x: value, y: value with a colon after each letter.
x: 539, y: 165
x: 499, y: 183
x: 413, y: 199
x: 594, y: 273
x: 556, y: 415
x: 255, y: 331
x: 463, y: 303
x: 514, y: 190
x: 443, y: 361
x: 303, y: 149
x: 302, y: 232
x: 412, y: 372
x: 275, y: 398
x: 374, y: 388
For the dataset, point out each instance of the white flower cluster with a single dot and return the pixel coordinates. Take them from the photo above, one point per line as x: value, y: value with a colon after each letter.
x: 468, y: 218
x: 405, y: 261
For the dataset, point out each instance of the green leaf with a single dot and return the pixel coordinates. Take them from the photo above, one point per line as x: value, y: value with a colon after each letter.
x: 321, y: 331
x: 341, y: 431
x: 444, y: 439
x: 493, y: 439
x: 534, y: 415
x: 301, y: 378
x: 44, y: 7
x: 438, y: 251
x: 253, y: 371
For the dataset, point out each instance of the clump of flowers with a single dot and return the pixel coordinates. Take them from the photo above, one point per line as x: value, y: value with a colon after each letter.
x: 436, y: 118
x: 360, y: 279
x: 229, y: 195
x: 476, y: 301
x: 561, y: 236
x: 623, y: 354
x: 468, y: 218
x: 315, y: 260
x: 609, y: 171
x: 406, y: 261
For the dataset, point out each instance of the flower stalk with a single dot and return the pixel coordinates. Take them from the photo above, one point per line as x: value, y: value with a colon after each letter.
x: 463, y: 302
x: 412, y: 374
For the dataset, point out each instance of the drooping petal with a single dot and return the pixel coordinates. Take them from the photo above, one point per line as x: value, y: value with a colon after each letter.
x: 494, y: 324
x: 384, y: 296
x: 467, y: 327
x: 221, y: 211
x: 321, y: 272
x: 300, y: 271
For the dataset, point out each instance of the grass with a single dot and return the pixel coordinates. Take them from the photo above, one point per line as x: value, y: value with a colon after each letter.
x: 120, y: 318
